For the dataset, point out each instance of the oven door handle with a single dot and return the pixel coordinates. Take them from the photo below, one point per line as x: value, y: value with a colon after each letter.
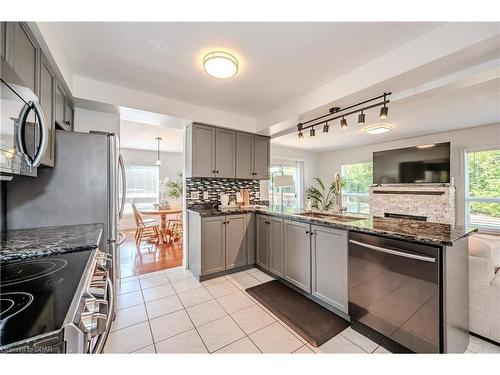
x: 394, y: 252
x: 21, y: 142
x: 99, y: 346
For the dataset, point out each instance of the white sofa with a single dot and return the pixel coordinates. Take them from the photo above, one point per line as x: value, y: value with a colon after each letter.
x: 484, y: 287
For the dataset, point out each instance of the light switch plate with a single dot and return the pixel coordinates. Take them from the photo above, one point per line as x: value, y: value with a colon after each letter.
x: 195, y: 195
x: 257, y: 194
x: 205, y: 195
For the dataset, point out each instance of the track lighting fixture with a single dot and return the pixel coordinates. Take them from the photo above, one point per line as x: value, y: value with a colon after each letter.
x: 343, y: 123
x: 326, y: 127
x: 361, y: 118
x: 335, y: 113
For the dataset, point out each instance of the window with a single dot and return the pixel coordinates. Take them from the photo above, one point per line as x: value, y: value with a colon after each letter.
x: 356, y: 180
x: 142, y: 186
x: 482, y: 189
x: 292, y: 196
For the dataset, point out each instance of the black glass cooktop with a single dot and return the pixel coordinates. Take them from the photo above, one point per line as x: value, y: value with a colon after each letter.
x: 35, y: 294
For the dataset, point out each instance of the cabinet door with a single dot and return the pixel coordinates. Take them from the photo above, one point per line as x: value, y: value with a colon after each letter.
x: 276, y: 256
x: 25, y: 56
x: 251, y: 238
x: 298, y: 254
x: 47, y: 97
x: 60, y: 102
x: 261, y: 158
x: 203, y: 152
x: 329, y: 266
x: 244, y: 156
x: 262, y: 253
x: 213, y: 257
x: 68, y: 114
x: 3, y: 42
x: 236, y: 244
x: 225, y: 153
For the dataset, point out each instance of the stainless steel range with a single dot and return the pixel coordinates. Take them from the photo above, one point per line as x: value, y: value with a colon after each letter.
x: 56, y: 304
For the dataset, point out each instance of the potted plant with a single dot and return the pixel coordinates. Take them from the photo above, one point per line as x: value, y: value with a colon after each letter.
x: 320, y: 197
x: 170, y: 190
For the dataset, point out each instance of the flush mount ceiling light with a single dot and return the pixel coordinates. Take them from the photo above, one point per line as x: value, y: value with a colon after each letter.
x: 158, y: 161
x: 377, y: 129
x: 341, y: 113
x: 220, y: 64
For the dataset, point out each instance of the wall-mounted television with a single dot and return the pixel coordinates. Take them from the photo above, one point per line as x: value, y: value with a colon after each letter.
x: 423, y: 164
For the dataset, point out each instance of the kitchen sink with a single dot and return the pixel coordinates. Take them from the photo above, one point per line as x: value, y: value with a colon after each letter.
x: 332, y: 217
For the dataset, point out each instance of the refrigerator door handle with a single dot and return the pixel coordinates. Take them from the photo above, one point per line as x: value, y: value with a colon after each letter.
x: 21, y: 142
x: 124, y: 185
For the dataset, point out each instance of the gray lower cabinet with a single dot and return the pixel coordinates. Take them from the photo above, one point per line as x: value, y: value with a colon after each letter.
x: 47, y: 101
x: 236, y: 243
x: 276, y: 249
x: 213, y: 239
x: 262, y: 241
x: 250, y: 228
x: 298, y: 254
x: 244, y: 155
x: 329, y: 266
x: 225, y: 153
x: 261, y: 158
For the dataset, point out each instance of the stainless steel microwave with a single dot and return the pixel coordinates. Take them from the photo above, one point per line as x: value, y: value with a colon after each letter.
x: 23, y: 128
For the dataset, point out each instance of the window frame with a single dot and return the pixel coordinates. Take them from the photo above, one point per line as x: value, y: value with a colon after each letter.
x: 367, y: 195
x: 467, y: 199
x: 127, y: 209
x: 299, y: 181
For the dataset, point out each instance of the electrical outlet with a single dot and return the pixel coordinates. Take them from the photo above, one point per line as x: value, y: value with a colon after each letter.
x: 195, y: 195
x: 257, y: 194
x: 205, y: 195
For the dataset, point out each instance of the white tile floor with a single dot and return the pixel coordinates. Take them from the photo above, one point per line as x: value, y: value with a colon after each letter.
x: 171, y: 312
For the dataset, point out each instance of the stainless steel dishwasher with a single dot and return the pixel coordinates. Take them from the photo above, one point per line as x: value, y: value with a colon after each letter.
x: 395, y: 290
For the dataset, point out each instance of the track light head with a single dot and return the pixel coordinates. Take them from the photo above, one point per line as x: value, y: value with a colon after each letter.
x: 326, y: 127
x: 343, y: 123
x: 384, y: 111
x: 301, y: 136
x: 312, y: 132
x: 361, y: 118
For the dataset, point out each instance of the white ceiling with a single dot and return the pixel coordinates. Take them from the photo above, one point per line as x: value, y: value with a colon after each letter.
x: 455, y: 109
x: 278, y: 61
x: 141, y: 136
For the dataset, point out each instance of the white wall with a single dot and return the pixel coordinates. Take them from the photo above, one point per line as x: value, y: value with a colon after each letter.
x: 86, y: 120
x: 489, y: 135
x: 171, y: 163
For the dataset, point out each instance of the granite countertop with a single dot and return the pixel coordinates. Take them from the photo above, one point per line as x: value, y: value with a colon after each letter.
x: 408, y: 230
x: 38, y: 242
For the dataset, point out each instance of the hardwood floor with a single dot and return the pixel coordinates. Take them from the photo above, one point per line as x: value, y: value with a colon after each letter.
x: 149, y: 257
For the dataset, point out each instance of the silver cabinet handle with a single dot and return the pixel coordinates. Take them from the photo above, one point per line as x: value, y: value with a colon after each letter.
x: 124, y: 185
x: 21, y: 142
x: 394, y: 252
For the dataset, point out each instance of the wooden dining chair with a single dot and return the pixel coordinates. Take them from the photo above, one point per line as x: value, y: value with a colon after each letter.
x: 175, y: 227
x: 148, y: 229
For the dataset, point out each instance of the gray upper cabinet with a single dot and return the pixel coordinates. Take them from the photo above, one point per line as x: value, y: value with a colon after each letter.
x: 59, y: 106
x: 250, y: 238
x: 3, y: 33
x: 298, y: 254
x: 262, y: 242
x: 236, y: 244
x: 47, y: 101
x: 261, y: 157
x: 225, y: 153
x: 202, y: 151
x: 213, y: 257
x: 276, y: 249
x: 25, y: 55
x: 244, y: 155
x: 329, y: 266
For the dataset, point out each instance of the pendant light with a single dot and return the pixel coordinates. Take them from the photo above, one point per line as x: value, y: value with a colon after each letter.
x: 158, y: 161
x: 343, y: 123
x: 384, y: 111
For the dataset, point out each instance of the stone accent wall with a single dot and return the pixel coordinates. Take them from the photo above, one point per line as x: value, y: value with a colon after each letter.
x: 217, y: 186
x: 437, y: 203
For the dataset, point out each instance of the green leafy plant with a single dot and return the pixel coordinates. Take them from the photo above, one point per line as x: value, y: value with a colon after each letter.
x: 321, y: 198
x: 173, y: 189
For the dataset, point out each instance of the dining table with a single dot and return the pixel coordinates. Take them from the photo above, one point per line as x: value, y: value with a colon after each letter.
x: 163, y: 213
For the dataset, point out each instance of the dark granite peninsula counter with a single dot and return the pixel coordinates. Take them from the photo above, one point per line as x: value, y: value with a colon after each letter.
x: 402, y: 229
x: 38, y: 242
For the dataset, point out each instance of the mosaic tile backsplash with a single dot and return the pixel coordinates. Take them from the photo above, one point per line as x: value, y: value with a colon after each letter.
x: 217, y: 186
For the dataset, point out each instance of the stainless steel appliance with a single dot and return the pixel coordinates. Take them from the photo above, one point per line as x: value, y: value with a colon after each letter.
x: 56, y: 304
x: 83, y: 188
x: 395, y: 289
x: 23, y: 129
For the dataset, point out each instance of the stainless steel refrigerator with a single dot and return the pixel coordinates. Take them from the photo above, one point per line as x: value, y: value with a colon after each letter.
x: 84, y: 187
